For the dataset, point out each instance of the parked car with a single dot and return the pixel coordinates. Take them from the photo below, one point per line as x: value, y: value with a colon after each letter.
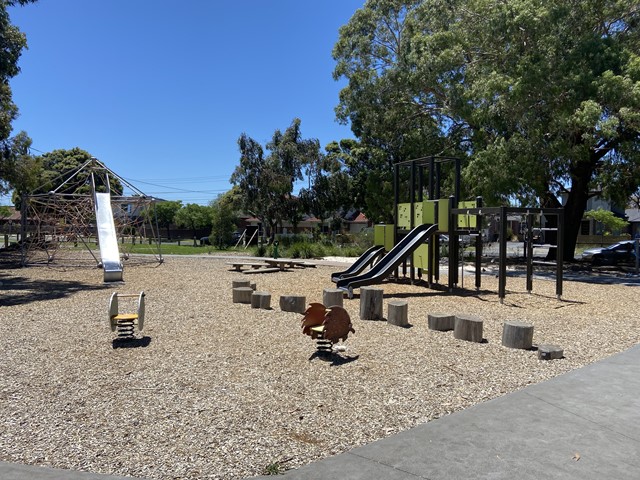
x: 618, y: 253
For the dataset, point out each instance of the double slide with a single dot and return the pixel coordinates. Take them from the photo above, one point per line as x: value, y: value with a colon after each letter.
x: 366, y: 259
x: 390, y: 261
x: 109, y: 252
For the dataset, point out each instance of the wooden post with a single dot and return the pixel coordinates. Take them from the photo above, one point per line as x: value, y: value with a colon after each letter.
x: 468, y: 327
x: 242, y: 295
x: 371, y: 303
x: 240, y: 283
x: 441, y: 321
x: 549, y: 352
x: 332, y: 297
x: 261, y: 300
x: 517, y: 335
x: 293, y: 303
x: 398, y: 313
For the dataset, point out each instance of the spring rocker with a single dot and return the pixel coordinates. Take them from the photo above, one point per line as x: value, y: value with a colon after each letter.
x: 326, y: 325
x: 125, y: 323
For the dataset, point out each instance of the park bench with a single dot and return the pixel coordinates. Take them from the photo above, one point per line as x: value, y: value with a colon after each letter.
x: 237, y: 266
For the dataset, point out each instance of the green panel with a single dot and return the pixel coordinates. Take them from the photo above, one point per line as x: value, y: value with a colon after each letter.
x: 417, y: 214
x: 467, y: 221
x: 421, y: 257
x: 378, y: 235
x: 404, y: 215
x: 443, y: 215
x: 429, y: 212
x: 388, y: 237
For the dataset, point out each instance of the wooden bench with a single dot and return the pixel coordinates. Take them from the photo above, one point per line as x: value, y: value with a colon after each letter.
x: 237, y: 266
x: 283, y: 263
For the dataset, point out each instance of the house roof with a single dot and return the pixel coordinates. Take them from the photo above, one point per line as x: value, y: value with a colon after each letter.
x: 633, y: 214
x: 361, y: 218
x: 14, y: 216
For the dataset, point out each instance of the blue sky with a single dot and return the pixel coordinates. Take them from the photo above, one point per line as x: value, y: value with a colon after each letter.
x: 161, y: 90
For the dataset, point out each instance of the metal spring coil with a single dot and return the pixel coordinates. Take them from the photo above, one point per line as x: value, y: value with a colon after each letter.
x: 125, y: 328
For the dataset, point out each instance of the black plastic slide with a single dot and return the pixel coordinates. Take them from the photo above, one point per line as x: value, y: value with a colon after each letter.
x: 366, y: 259
x: 391, y: 260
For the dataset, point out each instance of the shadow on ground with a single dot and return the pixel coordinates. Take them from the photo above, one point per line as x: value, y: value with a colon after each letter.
x: 17, y: 290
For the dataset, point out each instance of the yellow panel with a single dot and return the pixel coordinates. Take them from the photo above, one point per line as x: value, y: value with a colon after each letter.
x: 404, y: 215
x: 378, y: 235
x: 388, y: 237
x: 467, y: 221
x: 443, y: 215
x: 421, y: 257
x: 429, y: 211
x: 417, y: 214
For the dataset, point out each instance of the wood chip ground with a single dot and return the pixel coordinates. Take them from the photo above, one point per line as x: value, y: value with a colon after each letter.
x: 223, y: 390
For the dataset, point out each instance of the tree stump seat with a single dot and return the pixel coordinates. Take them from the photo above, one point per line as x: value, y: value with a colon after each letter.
x: 398, y: 313
x: 261, y: 300
x: 293, y: 303
x: 468, y: 327
x: 441, y: 322
x: 517, y: 335
x: 242, y: 294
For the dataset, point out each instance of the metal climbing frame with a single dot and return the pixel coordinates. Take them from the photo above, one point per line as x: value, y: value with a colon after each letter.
x: 503, y: 213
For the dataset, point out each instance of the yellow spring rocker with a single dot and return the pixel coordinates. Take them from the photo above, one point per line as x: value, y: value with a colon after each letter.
x: 126, y: 323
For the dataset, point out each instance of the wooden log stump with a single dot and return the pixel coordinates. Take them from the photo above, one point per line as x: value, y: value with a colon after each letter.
x: 468, y: 327
x: 517, y: 335
x: 332, y: 297
x: 549, y: 352
x: 441, y: 321
x: 371, y: 303
x: 261, y: 300
x: 293, y: 303
x: 240, y: 283
x: 242, y: 295
x: 398, y: 313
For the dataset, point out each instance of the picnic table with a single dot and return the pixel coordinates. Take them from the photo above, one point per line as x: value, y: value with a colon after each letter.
x: 283, y: 263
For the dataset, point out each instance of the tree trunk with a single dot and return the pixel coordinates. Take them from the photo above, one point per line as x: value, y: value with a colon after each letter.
x: 576, y: 204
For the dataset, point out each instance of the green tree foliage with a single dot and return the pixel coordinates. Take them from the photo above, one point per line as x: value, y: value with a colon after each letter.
x: 266, y: 182
x: 194, y: 217
x: 608, y: 220
x: 165, y: 213
x: 223, y: 220
x: 58, y: 167
x: 21, y: 170
x: 541, y: 96
x: 329, y: 190
x: 12, y: 43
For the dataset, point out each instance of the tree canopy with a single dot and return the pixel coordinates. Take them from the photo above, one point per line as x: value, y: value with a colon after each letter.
x: 12, y: 43
x: 266, y: 183
x: 540, y: 97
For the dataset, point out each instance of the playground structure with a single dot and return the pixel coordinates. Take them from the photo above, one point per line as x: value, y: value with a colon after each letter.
x: 79, y: 229
x: 125, y: 324
x: 425, y: 215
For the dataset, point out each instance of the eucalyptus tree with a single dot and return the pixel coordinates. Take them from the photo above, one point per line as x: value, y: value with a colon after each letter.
x: 542, y: 97
x: 266, y: 183
x: 12, y: 43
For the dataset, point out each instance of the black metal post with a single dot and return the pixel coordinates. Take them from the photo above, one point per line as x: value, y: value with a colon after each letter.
x: 479, y: 221
x: 502, y: 267
x: 529, y: 252
x: 560, y: 254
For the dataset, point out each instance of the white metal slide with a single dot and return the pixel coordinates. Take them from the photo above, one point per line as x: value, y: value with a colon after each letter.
x: 109, y: 253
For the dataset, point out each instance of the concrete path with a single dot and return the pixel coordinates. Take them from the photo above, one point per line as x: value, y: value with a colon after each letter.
x: 582, y: 425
